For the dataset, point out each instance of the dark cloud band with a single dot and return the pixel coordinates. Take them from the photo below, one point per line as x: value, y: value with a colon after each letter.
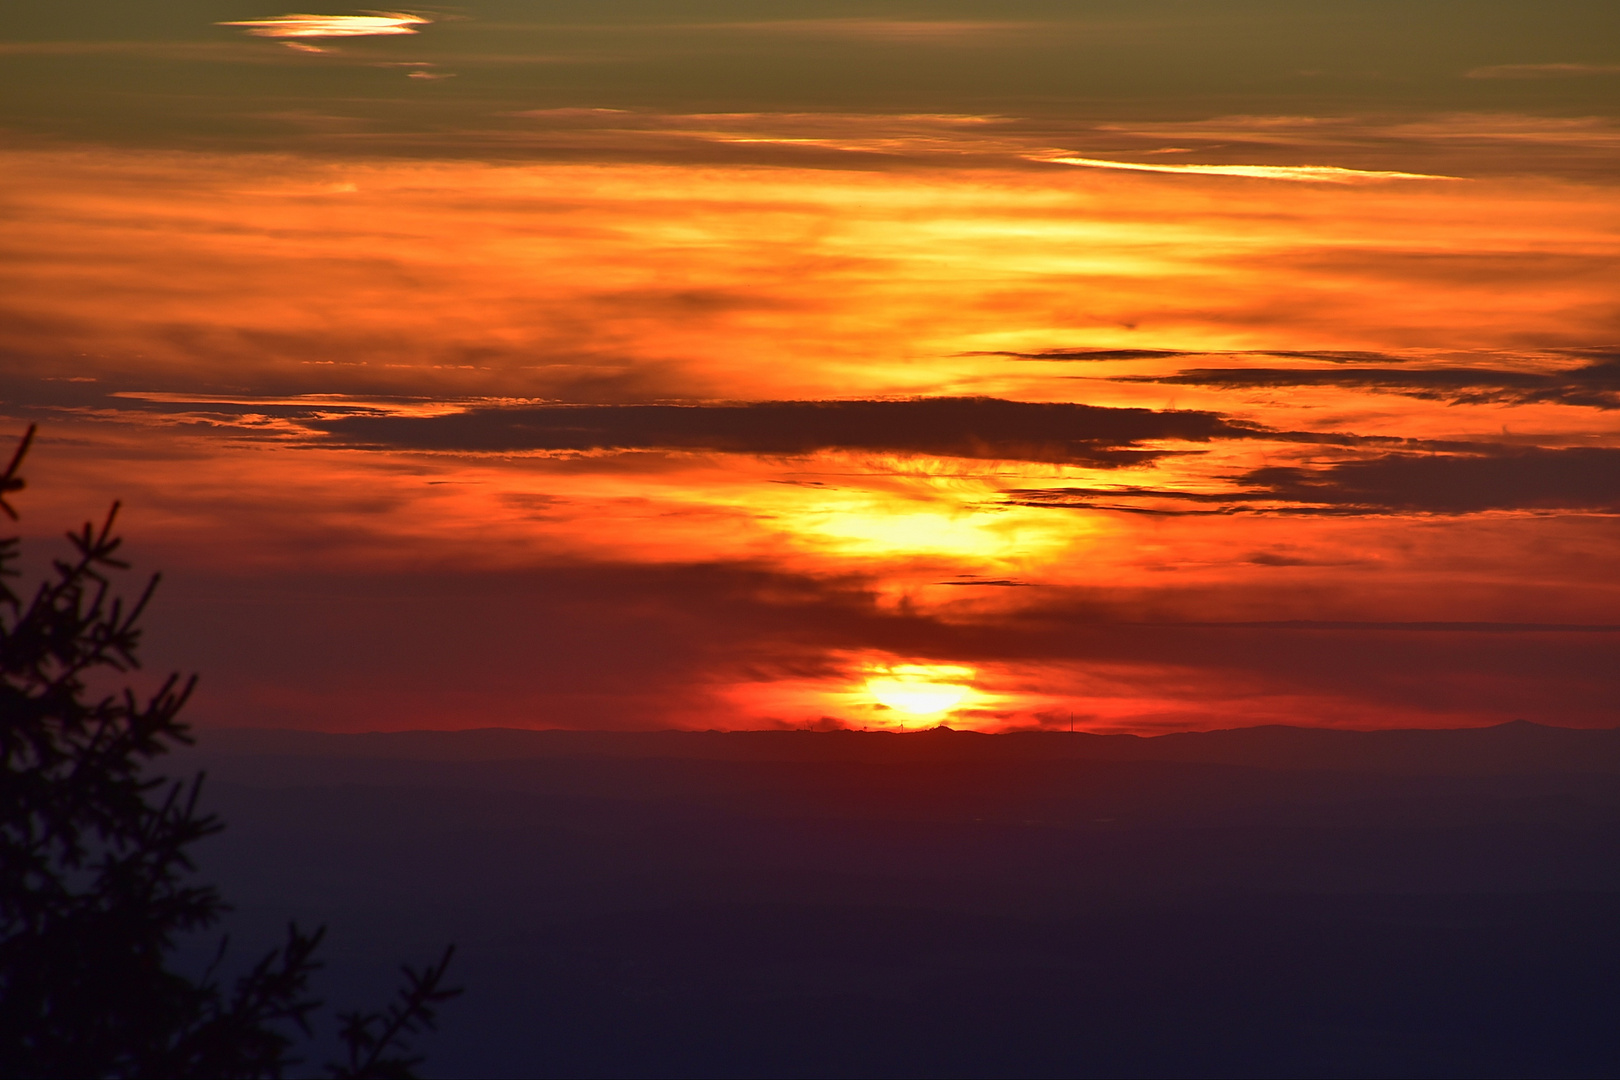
x: 948, y: 427
x: 1594, y: 385
x: 1586, y: 478
x: 1579, y: 479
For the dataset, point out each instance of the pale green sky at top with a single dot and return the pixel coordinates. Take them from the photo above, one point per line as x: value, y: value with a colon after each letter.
x: 167, y: 74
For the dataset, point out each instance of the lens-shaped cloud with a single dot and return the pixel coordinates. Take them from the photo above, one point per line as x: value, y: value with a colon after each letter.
x: 376, y: 24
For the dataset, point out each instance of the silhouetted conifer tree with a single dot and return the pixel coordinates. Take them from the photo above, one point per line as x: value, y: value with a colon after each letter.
x: 94, y: 866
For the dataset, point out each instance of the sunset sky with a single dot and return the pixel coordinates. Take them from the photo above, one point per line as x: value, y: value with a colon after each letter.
x: 1143, y: 366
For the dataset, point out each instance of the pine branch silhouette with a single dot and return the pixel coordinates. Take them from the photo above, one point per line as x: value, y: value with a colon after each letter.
x: 378, y: 1043
x: 95, y: 865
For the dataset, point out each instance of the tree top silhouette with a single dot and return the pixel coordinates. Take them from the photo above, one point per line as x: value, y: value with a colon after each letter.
x: 95, y: 871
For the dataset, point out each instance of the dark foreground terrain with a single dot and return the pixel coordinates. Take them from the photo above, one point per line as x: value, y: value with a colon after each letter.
x: 1269, y: 902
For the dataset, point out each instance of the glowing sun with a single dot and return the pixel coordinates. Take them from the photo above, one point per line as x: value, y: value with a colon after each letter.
x: 921, y: 689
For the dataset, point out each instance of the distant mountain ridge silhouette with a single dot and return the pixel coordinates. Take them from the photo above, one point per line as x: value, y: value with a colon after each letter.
x: 1518, y: 746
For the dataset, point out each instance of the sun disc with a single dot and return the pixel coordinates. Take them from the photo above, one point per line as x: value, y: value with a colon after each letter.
x: 916, y: 696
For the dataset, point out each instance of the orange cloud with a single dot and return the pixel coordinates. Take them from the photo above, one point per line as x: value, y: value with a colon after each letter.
x: 711, y: 444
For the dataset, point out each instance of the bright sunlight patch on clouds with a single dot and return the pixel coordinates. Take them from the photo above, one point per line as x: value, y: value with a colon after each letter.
x: 376, y: 24
x: 1319, y: 174
x: 921, y: 689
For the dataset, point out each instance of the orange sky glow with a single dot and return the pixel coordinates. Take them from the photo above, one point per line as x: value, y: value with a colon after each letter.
x: 756, y: 417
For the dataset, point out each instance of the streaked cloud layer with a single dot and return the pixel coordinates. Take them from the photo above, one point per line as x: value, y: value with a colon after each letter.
x: 691, y: 368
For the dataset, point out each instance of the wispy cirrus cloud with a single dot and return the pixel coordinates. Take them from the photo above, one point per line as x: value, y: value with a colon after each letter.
x: 1311, y: 174
x: 921, y: 136
x: 904, y: 31
x: 1349, y: 132
x: 1091, y: 355
x: 1100, y: 355
x: 223, y: 51
x: 1352, y: 150
x: 1540, y: 71
x: 1473, y: 144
